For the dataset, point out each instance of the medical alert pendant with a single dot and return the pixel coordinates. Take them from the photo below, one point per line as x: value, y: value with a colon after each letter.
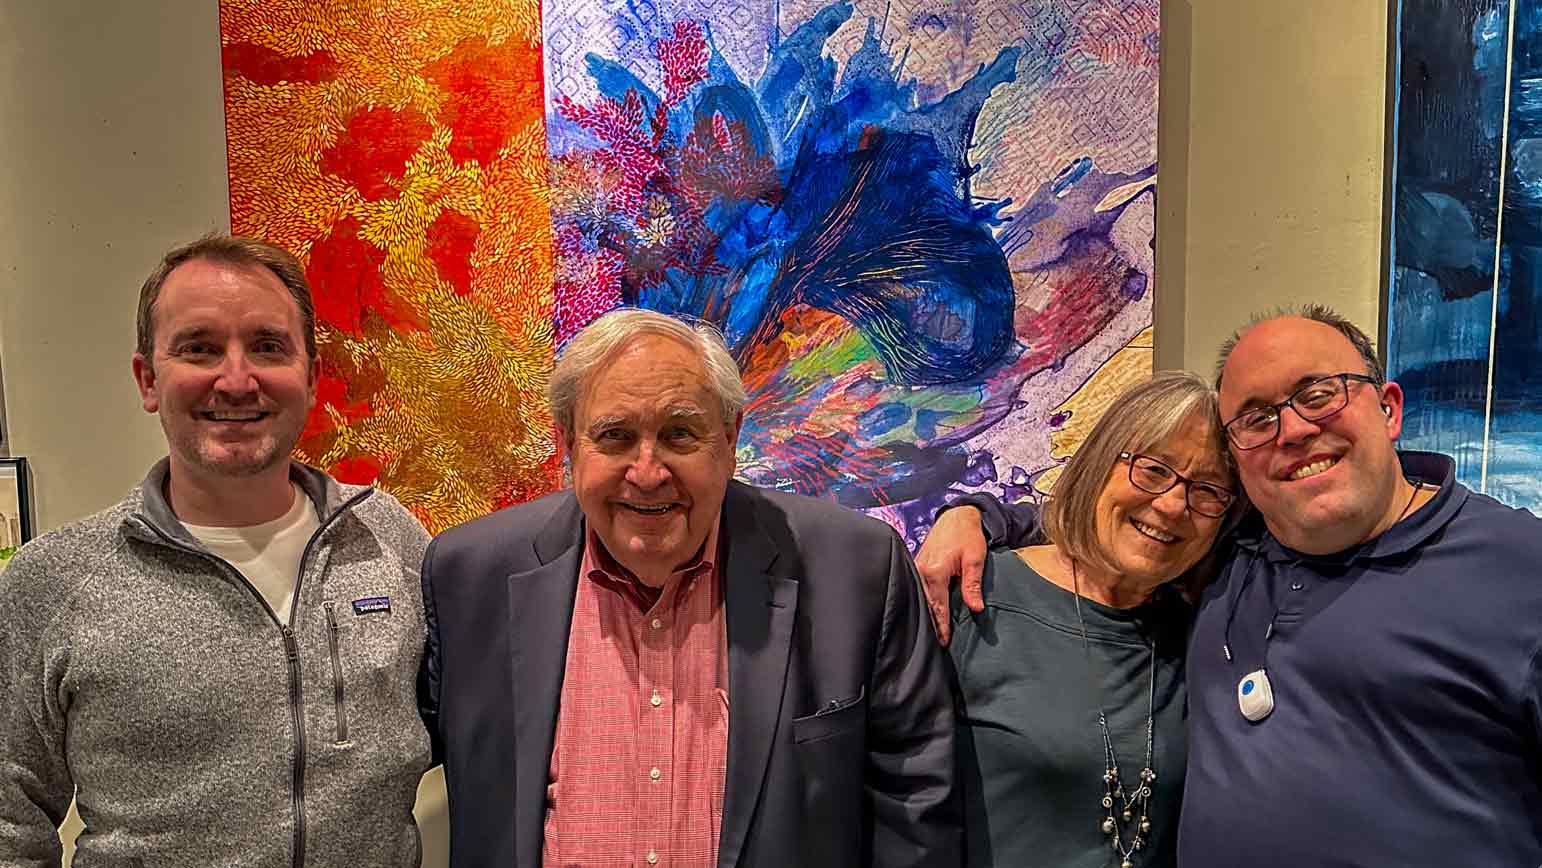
x: 1255, y: 696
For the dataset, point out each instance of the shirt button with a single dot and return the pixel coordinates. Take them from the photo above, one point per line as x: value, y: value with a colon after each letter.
x: 655, y: 774
x: 657, y: 623
x: 1296, y: 586
x: 653, y: 857
x: 656, y: 700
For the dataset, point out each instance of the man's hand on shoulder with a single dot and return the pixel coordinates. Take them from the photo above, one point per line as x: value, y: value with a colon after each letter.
x: 954, y: 549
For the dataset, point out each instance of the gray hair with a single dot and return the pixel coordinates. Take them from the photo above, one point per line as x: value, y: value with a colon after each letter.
x: 599, y: 341
x: 1316, y: 313
x: 1141, y: 417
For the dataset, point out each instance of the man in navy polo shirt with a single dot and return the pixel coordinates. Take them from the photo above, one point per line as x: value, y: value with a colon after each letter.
x: 1365, y: 676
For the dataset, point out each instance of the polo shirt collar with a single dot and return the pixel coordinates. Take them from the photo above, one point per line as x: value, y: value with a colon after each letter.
x: 1430, y: 468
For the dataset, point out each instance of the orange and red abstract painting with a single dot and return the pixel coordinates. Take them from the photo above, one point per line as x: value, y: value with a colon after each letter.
x: 399, y: 150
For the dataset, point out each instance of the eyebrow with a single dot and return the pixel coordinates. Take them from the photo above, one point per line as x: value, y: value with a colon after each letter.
x: 1218, y: 479
x: 1211, y: 475
x: 684, y: 412
x: 1304, y: 380
x: 672, y: 413
x: 204, y: 331
x: 178, y: 337
x: 271, y: 332
x: 603, y: 423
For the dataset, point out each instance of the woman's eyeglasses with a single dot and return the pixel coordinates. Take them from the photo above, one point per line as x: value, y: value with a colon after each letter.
x: 1154, y: 477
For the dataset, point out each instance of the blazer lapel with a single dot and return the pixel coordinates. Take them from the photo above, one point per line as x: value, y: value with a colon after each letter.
x: 540, y: 612
x: 760, y: 610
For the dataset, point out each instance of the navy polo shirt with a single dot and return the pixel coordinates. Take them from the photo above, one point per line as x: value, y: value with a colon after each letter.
x: 1407, y: 721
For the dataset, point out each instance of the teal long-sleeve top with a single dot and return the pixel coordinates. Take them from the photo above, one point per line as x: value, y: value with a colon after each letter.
x: 1030, y: 749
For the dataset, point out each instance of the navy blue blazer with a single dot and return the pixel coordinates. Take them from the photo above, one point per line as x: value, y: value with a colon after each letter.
x: 840, y: 735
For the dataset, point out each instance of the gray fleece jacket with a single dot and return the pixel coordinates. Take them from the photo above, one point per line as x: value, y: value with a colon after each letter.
x: 148, y: 678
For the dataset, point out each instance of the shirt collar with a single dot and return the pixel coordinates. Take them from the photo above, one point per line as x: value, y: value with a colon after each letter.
x: 1431, y: 469
x: 600, y: 567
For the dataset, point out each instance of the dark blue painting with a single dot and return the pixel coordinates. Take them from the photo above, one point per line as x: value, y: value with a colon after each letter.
x: 1463, y: 323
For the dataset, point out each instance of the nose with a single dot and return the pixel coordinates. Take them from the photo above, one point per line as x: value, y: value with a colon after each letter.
x: 1295, y: 428
x: 236, y: 377
x: 646, y: 471
x: 1173, y: 501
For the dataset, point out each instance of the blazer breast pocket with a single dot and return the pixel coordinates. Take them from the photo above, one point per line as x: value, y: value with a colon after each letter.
x: 831, y: 747
x: 841, y: 716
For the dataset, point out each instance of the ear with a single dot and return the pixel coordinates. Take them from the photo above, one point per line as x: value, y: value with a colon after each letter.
x: 733, y: 441
x: 1392, y: 398
x: 144, y: 378
x: 312, y: 379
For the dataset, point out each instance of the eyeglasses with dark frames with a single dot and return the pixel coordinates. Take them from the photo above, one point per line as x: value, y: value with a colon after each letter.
x: 1154, y: 477
x: 1313, y: 402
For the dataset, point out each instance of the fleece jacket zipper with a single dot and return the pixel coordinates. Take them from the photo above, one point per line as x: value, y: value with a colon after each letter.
x: 291, y: 656
x: 338, y: 695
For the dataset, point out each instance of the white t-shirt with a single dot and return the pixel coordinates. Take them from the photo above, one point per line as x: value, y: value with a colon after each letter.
x: 268, y: 554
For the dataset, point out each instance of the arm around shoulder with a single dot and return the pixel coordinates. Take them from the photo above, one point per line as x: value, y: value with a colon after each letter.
x: 956, y: 546
x: 1013, y: 525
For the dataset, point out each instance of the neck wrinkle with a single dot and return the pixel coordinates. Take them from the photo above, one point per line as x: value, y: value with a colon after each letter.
x: 1115, y: 592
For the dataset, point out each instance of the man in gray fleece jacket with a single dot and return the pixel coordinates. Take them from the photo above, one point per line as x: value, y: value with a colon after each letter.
x: 221, y: 668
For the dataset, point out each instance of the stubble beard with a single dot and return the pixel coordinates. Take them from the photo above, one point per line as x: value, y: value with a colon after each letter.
x: 239, y: 461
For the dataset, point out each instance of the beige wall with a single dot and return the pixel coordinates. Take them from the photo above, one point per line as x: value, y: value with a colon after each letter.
x: 1271, y: 153
x: 113, y: 149
x: 1272, y: 128
x: 113, y: 130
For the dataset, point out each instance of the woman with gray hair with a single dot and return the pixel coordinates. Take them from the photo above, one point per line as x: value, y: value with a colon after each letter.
x: 1072, y: 733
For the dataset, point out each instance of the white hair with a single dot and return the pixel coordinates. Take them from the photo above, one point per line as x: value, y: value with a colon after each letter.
x: 600, y: 340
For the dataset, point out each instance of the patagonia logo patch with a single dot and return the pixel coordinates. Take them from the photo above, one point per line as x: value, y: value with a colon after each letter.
x: 366, y: 605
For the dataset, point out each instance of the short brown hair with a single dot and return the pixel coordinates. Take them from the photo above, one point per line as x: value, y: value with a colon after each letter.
x: 1320, y: 313
x: 230, y: 250
x: 1141, y: 417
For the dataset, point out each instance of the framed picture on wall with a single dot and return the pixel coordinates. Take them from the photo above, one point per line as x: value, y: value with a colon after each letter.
x: 5, y: 443
x: 15, y: 505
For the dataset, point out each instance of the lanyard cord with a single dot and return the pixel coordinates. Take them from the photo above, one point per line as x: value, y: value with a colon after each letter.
x: 1247, y: 577
x: 1234, y: 601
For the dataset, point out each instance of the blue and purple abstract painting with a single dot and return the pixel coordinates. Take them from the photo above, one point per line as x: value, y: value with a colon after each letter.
x: 1464, y: 319
x: 922, y: 226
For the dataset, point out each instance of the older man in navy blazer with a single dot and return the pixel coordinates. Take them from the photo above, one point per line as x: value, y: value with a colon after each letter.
x: 662, y: 666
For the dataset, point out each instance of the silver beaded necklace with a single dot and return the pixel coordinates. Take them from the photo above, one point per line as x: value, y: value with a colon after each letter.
x: 1133, y: 809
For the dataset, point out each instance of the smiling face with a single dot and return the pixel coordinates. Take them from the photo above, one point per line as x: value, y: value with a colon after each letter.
x: 1149, y: 538
x: 651, y: 456
x: 230, y: 378
x: 1321, y: 486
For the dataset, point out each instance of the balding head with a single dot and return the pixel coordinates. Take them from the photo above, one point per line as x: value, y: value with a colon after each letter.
x: 1330, y: 481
